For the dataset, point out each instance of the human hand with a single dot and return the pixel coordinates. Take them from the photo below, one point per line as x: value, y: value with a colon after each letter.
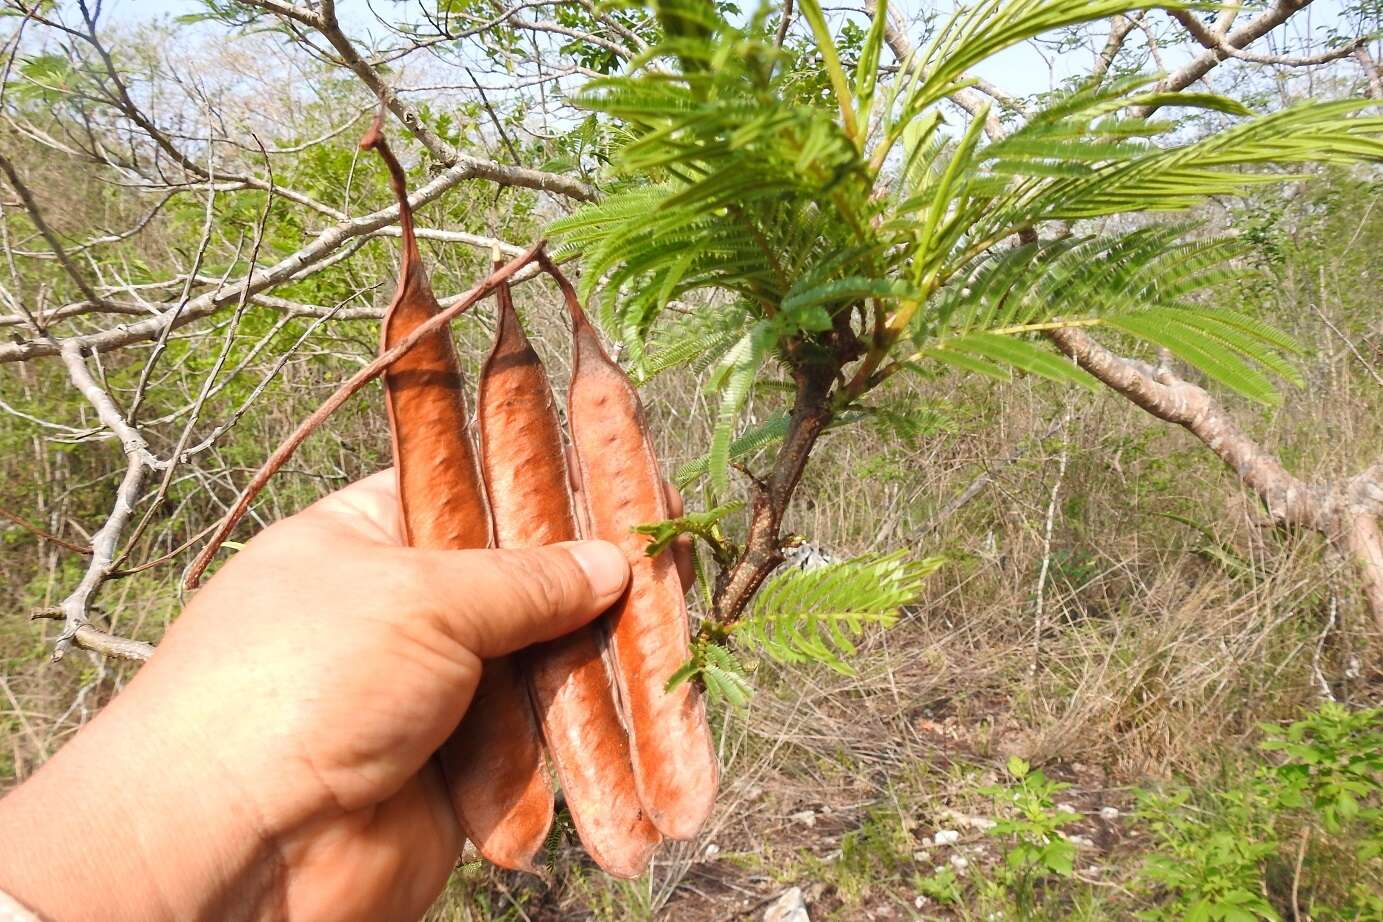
x: 273, y: 759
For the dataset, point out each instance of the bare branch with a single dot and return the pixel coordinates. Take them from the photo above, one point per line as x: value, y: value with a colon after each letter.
x: 42, y: 534
x: 330, y: 29
x: 98, y: 641
x: 103, y: 543
x: 1346, y: 513
x: 1220, y: 43
x: 312, y: 256
x: 1119, y: 29
x: 1245, y: 35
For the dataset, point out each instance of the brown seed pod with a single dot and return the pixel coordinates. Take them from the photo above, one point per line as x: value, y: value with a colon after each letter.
x: 525, y: 470
x: 506, y: 808
x: 675, y: 767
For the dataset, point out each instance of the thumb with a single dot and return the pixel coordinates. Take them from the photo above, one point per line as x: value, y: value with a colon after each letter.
x: 496, y: 601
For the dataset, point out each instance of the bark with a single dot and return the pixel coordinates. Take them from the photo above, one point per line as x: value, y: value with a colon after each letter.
x: 1345, y: 512
x: 811, y: 413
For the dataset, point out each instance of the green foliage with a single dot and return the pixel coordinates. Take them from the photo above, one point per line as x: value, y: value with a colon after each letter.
x: 811, y: 616
x: 1030, y: 825
x: 1209, y: 864
x: 697, y: 341
x: 720, y: 673
x: 941, y: 885
x: 704, y: 525
x: 734, y: 379
x: 1334, y: 766
x: 747, y: 444
x: 1315, y: 816
x: 843, y: 209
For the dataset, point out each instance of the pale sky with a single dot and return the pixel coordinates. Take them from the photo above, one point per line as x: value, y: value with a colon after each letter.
x: 1022, y: 70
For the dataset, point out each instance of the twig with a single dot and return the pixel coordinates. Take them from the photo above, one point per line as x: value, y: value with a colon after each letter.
x: 1039, y: 612
x: 24, y: 523
x: 1296, y: 873
x: 1316, y: 672
x: 494, y: 119
x: 1345, y: 339
x: 342, y: 394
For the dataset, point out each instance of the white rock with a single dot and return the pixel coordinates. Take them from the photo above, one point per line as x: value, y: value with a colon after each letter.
x: 1081, y: 841
x: 960, y: 862
x: 1109, y: 814
x: 946, y: 837
x: 922, y: 856
x: 920, y: 901
x: 803, y: 818
x: 1066, y: 808
x: 712, y: 850
x: 789, y: 907
x: 966, y: 821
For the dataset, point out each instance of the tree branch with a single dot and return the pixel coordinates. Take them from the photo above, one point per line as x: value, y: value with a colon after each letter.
x: 441, y: 151
x: 1120, y: 28
x: 1346, y: 513
x: 1202, y: 64
x: 314, y: 254
x: 1217, y: 41
x: 811, y: 413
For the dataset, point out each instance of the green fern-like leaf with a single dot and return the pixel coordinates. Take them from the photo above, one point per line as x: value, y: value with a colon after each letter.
x: 697, y: 342
x: 705, y: 525
x: 721, y: 674
x: 814, y: 616
x: 734, y: 379
x: 744, y: 446
x: 859, y: 205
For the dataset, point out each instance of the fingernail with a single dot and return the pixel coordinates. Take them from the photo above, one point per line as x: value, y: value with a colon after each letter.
x: 605, y: 567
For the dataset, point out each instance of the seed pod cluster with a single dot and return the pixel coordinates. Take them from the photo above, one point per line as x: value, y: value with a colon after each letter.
x: 502, y: 799
x: 635, y: 761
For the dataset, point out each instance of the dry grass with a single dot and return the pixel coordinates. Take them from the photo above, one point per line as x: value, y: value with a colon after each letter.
x: 1161, y: 645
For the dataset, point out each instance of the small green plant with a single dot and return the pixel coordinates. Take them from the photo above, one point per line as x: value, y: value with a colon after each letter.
x: 1334, y: 766
x: 803, y: 616
x: 1031, y: 828
x: 942, y: 885
x: 1209, y: 871
x: 1223, y: 853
